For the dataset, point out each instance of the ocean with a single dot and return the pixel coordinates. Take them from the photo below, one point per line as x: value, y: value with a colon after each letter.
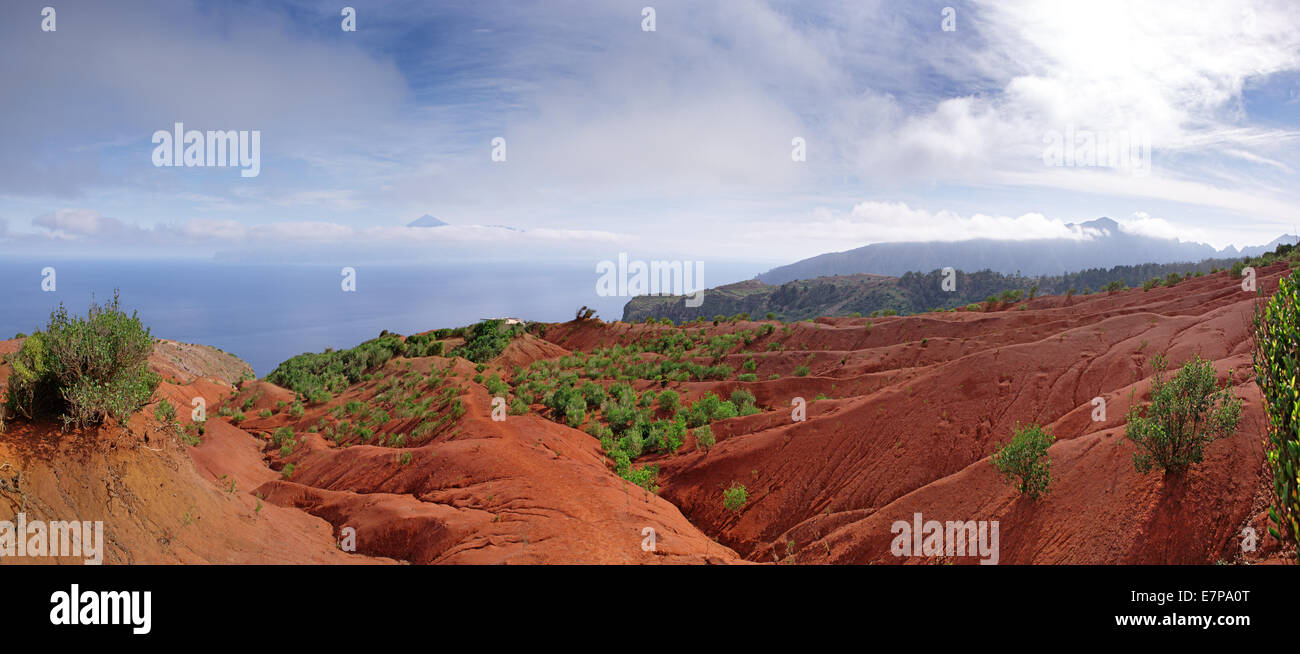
x: 266, y: 313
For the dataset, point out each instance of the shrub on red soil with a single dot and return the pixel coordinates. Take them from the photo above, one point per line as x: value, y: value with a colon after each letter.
x: 1186, y: 414
x: 1024, y: 463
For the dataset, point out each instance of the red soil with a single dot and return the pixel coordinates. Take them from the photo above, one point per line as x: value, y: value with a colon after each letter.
x: 913, y: 408
x: 160, y: 500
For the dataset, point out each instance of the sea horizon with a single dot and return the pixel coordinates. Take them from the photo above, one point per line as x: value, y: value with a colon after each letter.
x: 265, y: 313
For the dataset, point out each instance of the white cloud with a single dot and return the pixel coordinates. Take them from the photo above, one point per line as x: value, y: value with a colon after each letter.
x: 83, y: 222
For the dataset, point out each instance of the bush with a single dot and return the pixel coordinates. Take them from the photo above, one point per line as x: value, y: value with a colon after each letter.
x: 165, y: 412
x: 282, y: 435
x: 1185, y: 414
x: 593, y: 394
x: 1024, y: 461
x: 83, y: 370
x: 486, y: 340
x: 742, y: 398
x: 1172, y: 279
x: 669, y: 401
x: 575, y: 412
x: 704, y: 438
x: 801, y: 371
x: 497, y: 387
x: 1150, y: 283
x: 1277, y: 364
x: 735, y: 497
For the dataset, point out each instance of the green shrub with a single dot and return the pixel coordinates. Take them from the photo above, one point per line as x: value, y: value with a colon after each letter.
x: 669, y: 401
x: 735, y: 497
x: 281, y: 436
x: 165, y: 412
x: 742, y: 398
x: 575, y: 412
x: 1023, y: 461
x: 593, y: 394
x: 83, y: 370
x: 1277, y: 365
x: 704, y: 438
x: 747, y: 377
x: 801, y: 371
x: 645, y: 477
x: 1150, y: 283
x: 1186, y: 413
x: 1172, y: 279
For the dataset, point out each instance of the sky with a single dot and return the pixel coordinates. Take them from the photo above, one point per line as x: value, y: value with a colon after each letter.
x: 918, y: 121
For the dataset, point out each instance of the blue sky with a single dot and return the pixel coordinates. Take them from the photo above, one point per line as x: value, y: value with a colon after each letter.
x: 674, y: 143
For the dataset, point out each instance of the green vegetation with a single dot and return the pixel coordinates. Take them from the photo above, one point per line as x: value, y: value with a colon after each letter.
x: 165, y: 412
x: 1185, y: 414
x: 1277, y: 366
x: 1024, y: 462
x: 486, y: 340
x: 83, y: 370
x: 704, y: 440
x: 320, y: 375
x: 735, y: 497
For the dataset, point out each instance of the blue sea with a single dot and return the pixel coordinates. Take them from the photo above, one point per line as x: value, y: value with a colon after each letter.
x: 266, y: 313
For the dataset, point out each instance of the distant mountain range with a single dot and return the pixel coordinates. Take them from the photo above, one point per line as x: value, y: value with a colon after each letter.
x: 1109, y: 247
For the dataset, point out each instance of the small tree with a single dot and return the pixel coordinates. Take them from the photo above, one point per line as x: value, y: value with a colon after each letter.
x: 735, y: 497
x: 1023, y: 462
x: 704, y: 439
x: 1186, y: 413
x: 83, y: 369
